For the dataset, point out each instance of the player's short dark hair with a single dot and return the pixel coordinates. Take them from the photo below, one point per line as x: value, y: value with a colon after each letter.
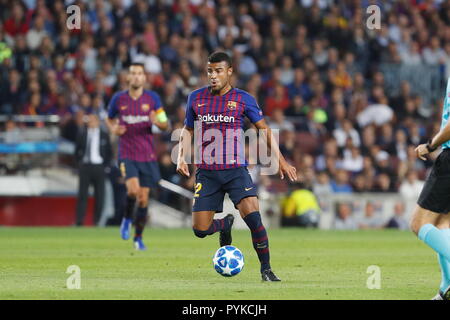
x: 219, y: 56
x: 138, y: 64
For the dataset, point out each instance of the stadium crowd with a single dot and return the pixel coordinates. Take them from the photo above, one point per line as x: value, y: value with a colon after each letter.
x: 314, y: 67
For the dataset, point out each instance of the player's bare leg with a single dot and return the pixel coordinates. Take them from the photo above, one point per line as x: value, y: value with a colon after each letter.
x: 443, y: 221
x: 249, y: 211
x: 201, y: 220
x: 204, y: 224
x: 433, y: 229
x: 422, y: 217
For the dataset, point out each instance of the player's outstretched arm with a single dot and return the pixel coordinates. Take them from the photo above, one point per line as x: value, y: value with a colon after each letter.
x: 284, y: 167
x: 433, y: 144
x: 183, y: 145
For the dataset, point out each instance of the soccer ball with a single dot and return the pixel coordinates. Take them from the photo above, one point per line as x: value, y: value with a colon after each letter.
x: 228, y: 261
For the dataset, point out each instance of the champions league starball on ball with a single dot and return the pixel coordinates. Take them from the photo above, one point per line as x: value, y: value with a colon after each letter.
x: 228, y: 261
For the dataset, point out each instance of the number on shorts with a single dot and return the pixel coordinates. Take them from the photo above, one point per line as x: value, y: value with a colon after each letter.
x: 122, y: 169
x: 198, y: 187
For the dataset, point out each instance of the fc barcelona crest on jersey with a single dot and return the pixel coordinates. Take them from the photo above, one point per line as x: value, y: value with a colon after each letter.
x: 231, y: 105
x: 145, y: 107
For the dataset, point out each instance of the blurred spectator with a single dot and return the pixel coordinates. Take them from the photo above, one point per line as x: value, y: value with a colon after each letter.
x: 341, y: 183
x: 19, y: 21
x: 398, y: 220
x: 370, y: 219
x: 11, y: 94
x: 383, y: 183
x: 434, y: 54
x: 353, y: 160
x: 287, y: 143
x: 378, y: 113
x: 296, y: 109
x: 412, y: 56
x: 322, y: 186
x: 149, y: 58
x: 386, y: 136
x: 398, y: 102
x: 299, y: 87
x: 37, y: 33
x: 72, y: 128
x: 344, y: 217
x: 12, y: 133
x: 93, y: 153
x: 314, y: 121
x: 278, y: 100
x: 399, y: 146
x: 447, y: 60
x: 411, y: 187
x: 330, y: 151
x: 301, y: 208
x: 279, y: 122
x: 342, y: 79
x: 359, y: 184
x: 345, y: 131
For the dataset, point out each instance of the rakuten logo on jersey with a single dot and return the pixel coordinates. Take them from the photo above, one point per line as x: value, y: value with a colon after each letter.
x: 215, y: 118
x: 135, y: 119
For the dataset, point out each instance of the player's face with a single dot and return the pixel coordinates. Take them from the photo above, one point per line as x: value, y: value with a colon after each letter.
x: 136, y: 77
x: 219, y: 74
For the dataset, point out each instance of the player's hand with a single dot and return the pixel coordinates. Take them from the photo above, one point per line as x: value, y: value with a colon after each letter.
x: 183, y: 168
x: 287, y: 169
x: 119, y: 129
x: 421, y: 151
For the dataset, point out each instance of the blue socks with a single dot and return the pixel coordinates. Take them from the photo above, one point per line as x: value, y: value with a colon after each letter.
x: 436, y: 239
x: 445, y: 266
x: 439, y: 241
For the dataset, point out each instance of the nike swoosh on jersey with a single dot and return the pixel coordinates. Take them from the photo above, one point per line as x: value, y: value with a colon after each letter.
x: 247, y: 189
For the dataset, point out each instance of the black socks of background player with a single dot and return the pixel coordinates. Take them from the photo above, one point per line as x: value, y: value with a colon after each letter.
x: 140, y: 222
x: 141, y: 216
x: 216, y: 225
x: 129, y: 207
x: 259, y: 238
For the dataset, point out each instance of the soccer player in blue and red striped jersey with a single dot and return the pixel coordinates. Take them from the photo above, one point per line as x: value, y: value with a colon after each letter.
x: 131, y: 114
x: 220, y: 110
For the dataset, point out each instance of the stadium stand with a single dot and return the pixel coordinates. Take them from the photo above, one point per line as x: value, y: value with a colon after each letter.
x: 354, y: 102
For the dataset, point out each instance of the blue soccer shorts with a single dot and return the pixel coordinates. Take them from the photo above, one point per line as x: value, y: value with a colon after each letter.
x: 212, y: 185
x: 147, y: 172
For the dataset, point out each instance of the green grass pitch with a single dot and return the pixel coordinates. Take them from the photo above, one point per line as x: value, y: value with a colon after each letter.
x: 313, y: 264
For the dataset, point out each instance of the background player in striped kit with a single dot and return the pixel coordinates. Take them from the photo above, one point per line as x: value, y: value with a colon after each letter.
x: 431, y: 219
x: 131, y: 115
x: 222, y: 108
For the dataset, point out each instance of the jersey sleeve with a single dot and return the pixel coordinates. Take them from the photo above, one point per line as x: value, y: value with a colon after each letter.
x: 161, y: 115
x: 252, y: 109
x: 113, y: 108
x: 158, y: 104
x: 190, y: 115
